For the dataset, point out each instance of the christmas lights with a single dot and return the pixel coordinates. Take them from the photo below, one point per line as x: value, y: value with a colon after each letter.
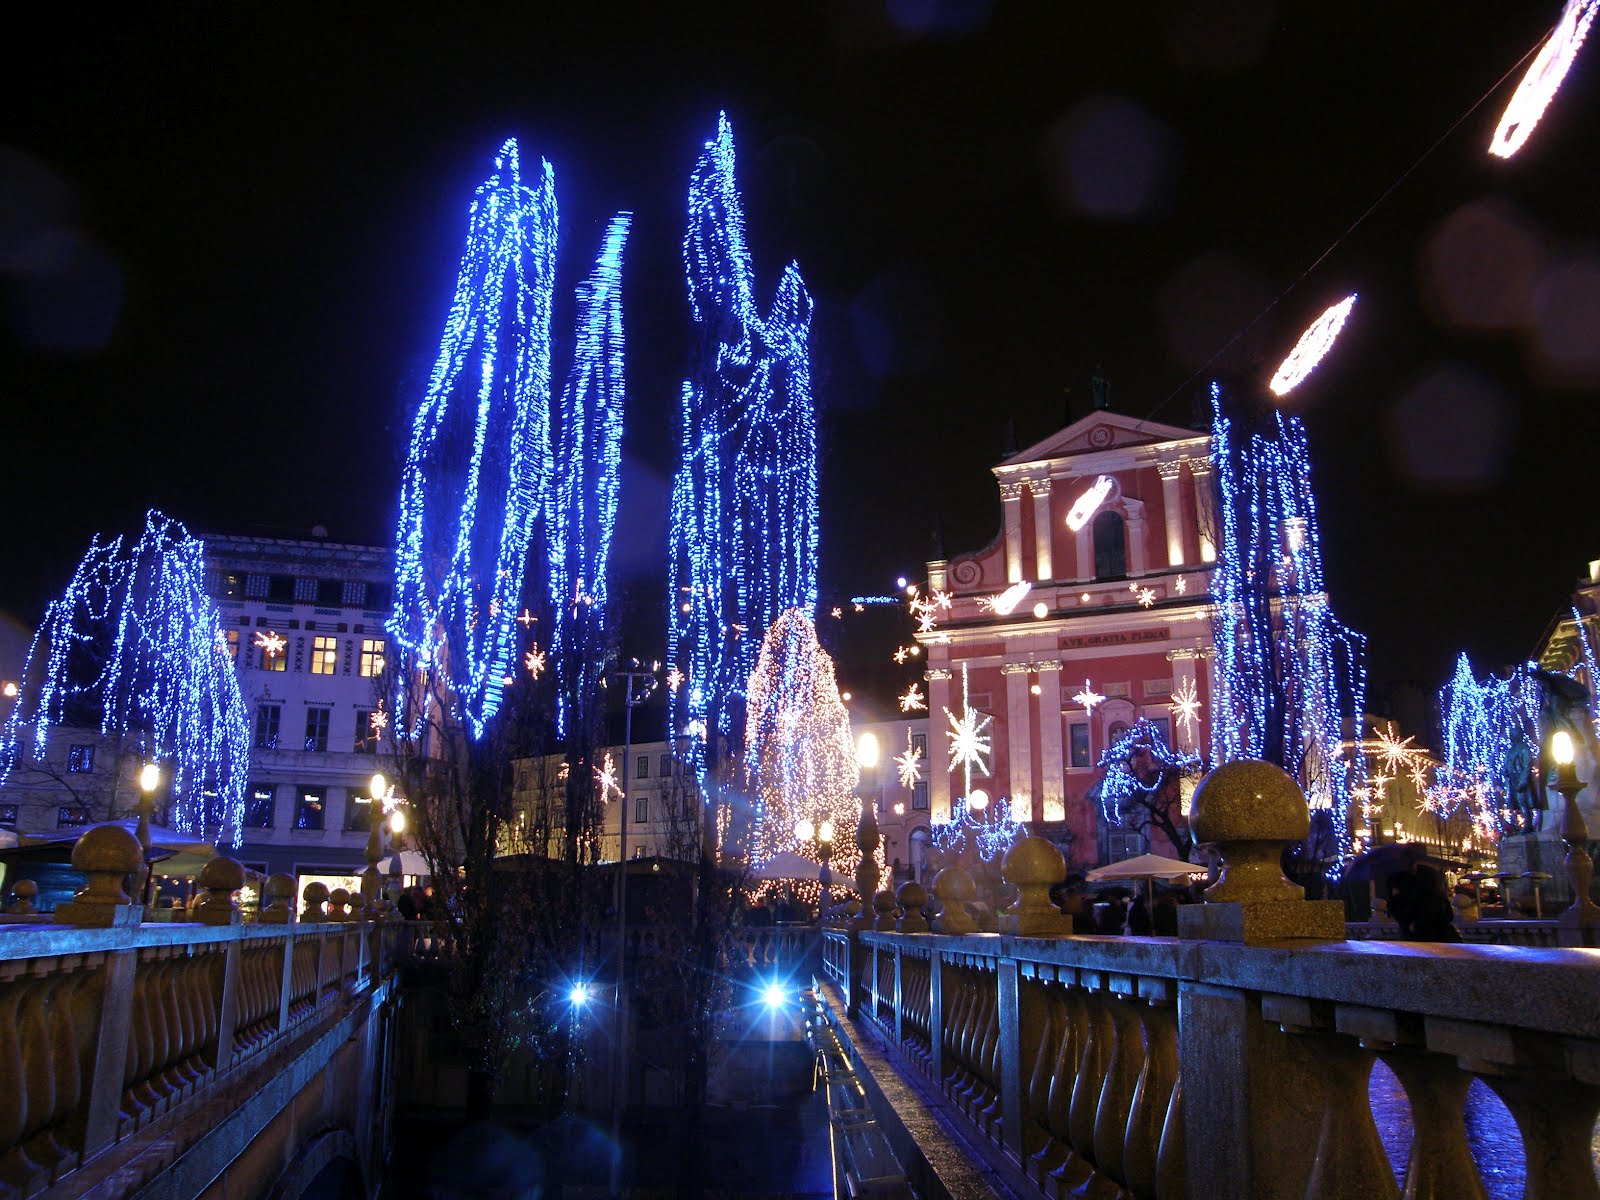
x: 1312, y: 347
x: 990, y: 830
x: 969, y: 741
x: 1186, y: 707
x: 1289, y: 678
x: 1491, y: 741
x: 909, y: 764
x: 1139, y: 763
x: 743, y: 518
x: 1088, y: 697
x: 588, y: 456
x: 135, y: 645
x: 913, y: 700
x: 1086, y: 505
x: 1593, y: 680
x: 1006, y: 602
x: 799, y: 753
x: 478, y: 471
x: 1539, y: 85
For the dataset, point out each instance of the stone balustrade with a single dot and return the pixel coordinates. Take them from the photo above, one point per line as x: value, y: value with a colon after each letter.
x: 1234, y: 1061
x: 105, y: 1030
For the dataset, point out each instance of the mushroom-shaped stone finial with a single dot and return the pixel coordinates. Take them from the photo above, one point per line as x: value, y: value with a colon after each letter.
x: 1032, y: 866
x: 358, y: 907
x: 107, y: 855
x: 912, y: 898
x: 315, y: 896
x: 221, y: 878
x: 883, y: 904
x: 339, y: 904
x: 277, y: 900
x: 25, y: 890
x: 954, y: 886
x: 1249, y: 811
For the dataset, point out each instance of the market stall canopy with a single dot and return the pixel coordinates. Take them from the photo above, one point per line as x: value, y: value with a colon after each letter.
x: 173, y: 853
x: 1146, y: 866
x: 786, y: 864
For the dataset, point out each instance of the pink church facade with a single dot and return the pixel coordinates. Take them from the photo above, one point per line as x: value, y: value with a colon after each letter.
x: 1097, y: 586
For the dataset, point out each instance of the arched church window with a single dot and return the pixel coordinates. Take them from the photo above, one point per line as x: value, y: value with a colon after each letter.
x: 1110, y: 546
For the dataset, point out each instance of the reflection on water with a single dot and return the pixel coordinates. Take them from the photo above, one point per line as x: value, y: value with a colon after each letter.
x: 1491, y: 1132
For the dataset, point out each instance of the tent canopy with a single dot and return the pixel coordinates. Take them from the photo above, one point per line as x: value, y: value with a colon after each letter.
x: 786, y: 864
x: 1146, y: 866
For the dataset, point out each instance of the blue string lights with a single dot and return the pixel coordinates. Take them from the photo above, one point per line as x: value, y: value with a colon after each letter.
x: 583, y: 509
x: 1138, y: 765
x: 135, y: 646
x: 1491, y: 741
x: 479, y: 470
x: 1289, y: 677
x: 744, y: 501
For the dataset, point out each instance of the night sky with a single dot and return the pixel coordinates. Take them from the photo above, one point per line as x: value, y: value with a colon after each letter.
x: 228, y: 241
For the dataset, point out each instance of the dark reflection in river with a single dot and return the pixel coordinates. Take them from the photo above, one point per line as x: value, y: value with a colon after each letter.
x: 1491, y: 1131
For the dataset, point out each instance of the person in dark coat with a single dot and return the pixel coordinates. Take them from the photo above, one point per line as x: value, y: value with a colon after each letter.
x: 1419, y: 900
x: 407, y: 904
x: 1139, y: 918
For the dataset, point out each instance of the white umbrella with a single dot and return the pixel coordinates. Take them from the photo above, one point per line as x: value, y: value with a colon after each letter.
x: 1146, y: 866
x: 786, y: 864
x: 412, y: 862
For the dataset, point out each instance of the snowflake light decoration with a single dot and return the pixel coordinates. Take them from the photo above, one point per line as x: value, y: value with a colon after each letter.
x: 534, y: 661
x: 378, y: 719
x: 969, y: 741
x: 943, y: 599
x: 1186, y: 707
x: 1182, y: 585
x: 1147, y: 597
x: 909, y: 764
x: 913, y: 700
x: 1088, y: 697
x: 675, y: 679
x: 270, y: 644
x: 901, y: 654
x: 605, y: 776
x: 836, y: 613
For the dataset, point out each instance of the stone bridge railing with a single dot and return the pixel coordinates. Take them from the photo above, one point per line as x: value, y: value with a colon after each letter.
x: 1212, y: 1065
x: 108, y: 1027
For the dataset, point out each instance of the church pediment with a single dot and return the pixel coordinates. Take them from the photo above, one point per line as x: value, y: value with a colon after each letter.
x: 1099, y: 431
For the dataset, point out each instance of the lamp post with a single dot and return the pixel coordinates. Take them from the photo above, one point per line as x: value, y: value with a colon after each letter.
x: 639, y: 684
x: 383, y: 804
x: 1574, y: 833
x: 149, y: 781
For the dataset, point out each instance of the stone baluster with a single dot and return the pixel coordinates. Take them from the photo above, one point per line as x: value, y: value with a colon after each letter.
x: 1152, y: 1097
x: 1036, y: 1100
x: 107, y: 855
x: 1089, y: 1080
x: 339, y: 905
x: 27, y: 1162
x: 1063, y: 1073
x: 954, y: 888
x: 221, y: 878
x: 314, y: 897
x: 1033, y: 865
x: 912, y: 898
x: 1557, y: 1119
x: 277, y: 900
x: 1123, y: 1068
x: 24, y: 892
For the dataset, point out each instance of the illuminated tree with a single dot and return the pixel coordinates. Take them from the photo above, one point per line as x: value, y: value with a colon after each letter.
x: 1491, y: 744
x: 799, y: 754
x: 744, y: 501
x: 1289, y: 677
x: 135, y: 647
x: 1142, y: 787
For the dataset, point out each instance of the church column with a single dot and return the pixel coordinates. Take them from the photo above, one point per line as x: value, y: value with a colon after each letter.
x: 1172, y: 509
x: 1137, y: 559
x: 1206, y: 507
x: 938, y: 778
x: 1011, y: 508
x: 1042, y: 532
x: 1052, y: 764
x: 1085, y: 548
x: 1019, y: 736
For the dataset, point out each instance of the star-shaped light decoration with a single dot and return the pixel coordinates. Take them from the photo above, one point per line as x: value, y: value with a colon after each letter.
x: 1182, y: 585
x: 695, y: 729
x: 860, y: 607
x: 901, y: 654
x: 269, y: 643
x: 1004, y: 604
x: 913, y: 701
x: 943, y: 599
x: 534, y: 661
x: 675, y: 679
x: 378, y: 719
x: 605, y: 775
x: 1147, y: 597
x: 1396, y: 754
x: 909, y: 764
x: 969, y: 741
x: 837, y: 613
x: 1186, y: 707
x: 1088, y: 697
x: 526, y: 619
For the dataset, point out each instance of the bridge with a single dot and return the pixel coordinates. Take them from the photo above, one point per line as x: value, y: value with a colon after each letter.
x: 221, y: 1059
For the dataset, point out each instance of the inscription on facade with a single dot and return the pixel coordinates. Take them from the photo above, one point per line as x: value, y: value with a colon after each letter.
x: 1128, y: 637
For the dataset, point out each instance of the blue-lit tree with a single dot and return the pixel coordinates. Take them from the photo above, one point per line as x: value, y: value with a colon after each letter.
x: 1289, y: 677
x: 479, y: 470
x: 744, y: 501
x: 134, y: 647
x: 583, y: 507
x: 1491, y: 746
x: 1142, y: 787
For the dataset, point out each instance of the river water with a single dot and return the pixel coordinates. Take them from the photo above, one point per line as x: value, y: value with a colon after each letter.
x: 1491, y: 1131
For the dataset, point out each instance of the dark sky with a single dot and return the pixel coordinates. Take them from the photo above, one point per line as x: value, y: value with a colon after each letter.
x: 228, y: 240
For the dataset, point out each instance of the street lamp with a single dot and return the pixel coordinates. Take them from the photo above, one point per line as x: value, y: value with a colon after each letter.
x: 822, y: 834
x: 1574, y: 832
x: 149, y: 781
x: 383, y: 803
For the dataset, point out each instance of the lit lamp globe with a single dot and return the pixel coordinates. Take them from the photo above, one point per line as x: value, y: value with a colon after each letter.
x: 149, y: 777
x: 867, y: 750
x: 804, y: 830
x: 825, y: 831
x: 978, y: 800
x: 397, y: 822
x: 379, y: 786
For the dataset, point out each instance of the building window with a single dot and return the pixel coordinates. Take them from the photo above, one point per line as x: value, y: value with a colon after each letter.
x: 233, y: 644
x: 1163, y: 726
x: 366, y: 735
x: 919, y: 795
x: 642, y: 767
x: 1078, y: 736
x: 267, y: 719
x: 272, y: 649
x: 258, y: 805
x: 80, y: 759
x: 305, y: 589
x: 317, y: 729
x: 310, y: 807
x: 358, y: 812
x: 1118, y: 843
x: 71, y: 816
x: 665, y: 766
x: 324, y: 655
x: 1110, y: 547
x: 255, y: 587
x: 372, y: 657
x: 919, y: 741
x: 1118, y: 728
x: 355, y: 593
x: 641, y: 810
x: 8, y: 816
x: 330, y: 593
